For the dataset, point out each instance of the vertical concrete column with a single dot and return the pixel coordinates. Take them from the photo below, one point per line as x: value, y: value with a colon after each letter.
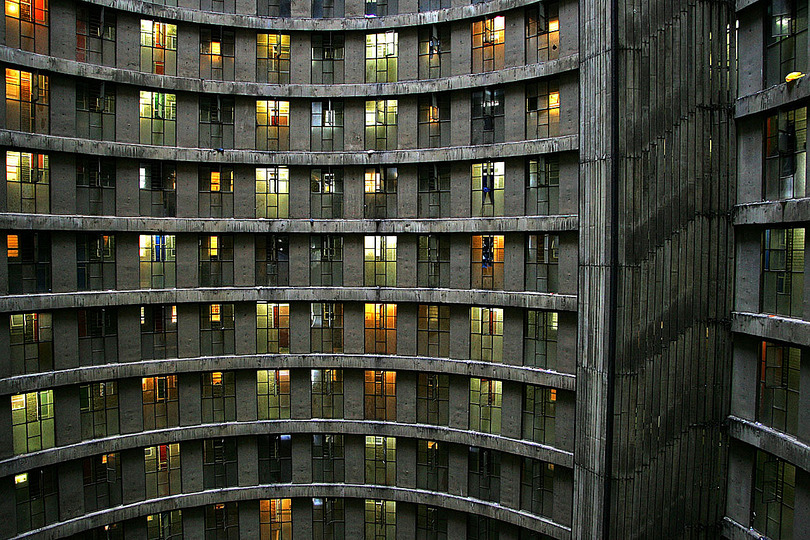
x: 353, y: 398
x: 299, y: 260
x: 459, y: 331
x: 353, y: 260
x: 406, y: 399
x: 569, y: 183
x: 302, y: 517
x: 301, y: 458
x: 248, y: 461
x: 247, y: 7
x: 406, y: 462
x: 460, y: 122
x: 406, y: 520
x: 566, y: 342
x: 355, y: 458
x: 188, y: 53
x: 406, y: 260
x: 407, y: 191
x: 460, y: 261
x: 510, y: 480
x: 568, y: 263
x: 300, y: 60
x: 127, y: 190
x: 514, y: 113
x: 188, y: 115
x: 741, y: 458
x: 65, y: 339
x: 514, y: 192
x: 299, y: 328
x: 191, y: 461
x: 249, y: 525
x: 63, y: 183
x: 563, y: 495
x: 133, y: 475
x: 301, y: 406
x: 62, y: 106
x: 188, y: 330
x: 511, y: 405
x: 245, y: 54
x: 353, y: 329
x: 190, y: 395
x: 244, y: 191
x: 8, y: 500
x: 244, y: 135
x: 569, y: 27
x: 247, y: 408
x: 457, y: 467
x: 569, y: 104
x: 300, y: 119
x: 749, y: 159
x: 354, y: 121
x: 408, y: 44
x: 5, y: 358
x: 62, y: 44
x: 801, y: 517
x: 354, y: 509
x: 459, y: 403
x: 461, y: 46
x: 460, y: 189
x: 804, y: 397
x: 67, y: 415
x: 406, y: 328
x: 130, y: 406
x: 244, y: 260
x: 407, y: 111
x: 515, y: 36
x: 513, y: 336
x: 564, y: 421
x: 194, y: 522
x: 353, y: 190
x: 187, y: 257
x: 299, y: 186
x: 301, y: 8
x: 127, y: 104
x: 354, y: 48
x: 63, y: 253
x: 749, y: 58
x: 129, y: 333
x: 514, y: 262
x: 245, y: 327
x: 747, y: 277
x: 187, y: 189
x: 744, y: 371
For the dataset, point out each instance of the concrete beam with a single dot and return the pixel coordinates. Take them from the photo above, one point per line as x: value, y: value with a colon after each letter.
x: 774, y: 442
x: 772, y: 327
x: 773, y: 212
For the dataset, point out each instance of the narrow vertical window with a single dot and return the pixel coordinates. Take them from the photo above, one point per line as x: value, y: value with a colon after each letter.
x: 487, y: 262
x: 542, y: 262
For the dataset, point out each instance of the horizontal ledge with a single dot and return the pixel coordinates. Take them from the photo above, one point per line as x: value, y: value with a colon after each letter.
x: 773, y: 212
x: 476, y: 297
x: 742, y: 4
x: 772, y: 327
x: 555, y: 223
x: 771, y: 98
x: 734, y: 530
x: 52, y: 143
x: 774, y: 442
x: 422, y: 364
x: 314, y: 91
x: 118, y: 443
x: 446, y: 501
x: 196, y: 16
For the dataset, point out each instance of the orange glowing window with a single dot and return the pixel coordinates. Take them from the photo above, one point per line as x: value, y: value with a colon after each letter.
x: 13, y: 243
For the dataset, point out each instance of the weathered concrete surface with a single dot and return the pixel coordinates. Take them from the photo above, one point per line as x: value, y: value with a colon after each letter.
x: 772, y: 327
x: 770, y: 440
x: 773, y: 212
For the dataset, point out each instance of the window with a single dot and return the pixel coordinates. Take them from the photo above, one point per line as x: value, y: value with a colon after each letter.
x: 432, y: 460
x: 273, y: 393
x: 272, y: 260
x: 28, y: 183
x: 380, y: 261
x: 95, y: 110
x: 27, y: 25
x: 112, y: 531
x: 220, y: 468
x: 328, y: 52
x: 326, y: 193
x: 216, y: 260
x: 485, y: 405
x: 380, y: 200
x: 158, y: 47
x: 380, y: 8
x: 221, y: 6
x: 275, y: 459
x: 487, y: 262
x: 326, y: 260
x: 165, y: 526
x: 95, y: 186
x: 275, y: 519
x: 327, y: 393
x: 222, y: 521
x: 326, y: 133
x: 98, y: 335
x: 786, y: 154
x: 486, y: 334
x: 484, y: 474
x: 381, y: 124
x: 433, y: 331
x: 327, y: 9
x: 434, y: 47
x: 539, y: 413
x: 102, y: 481
x: 431, y: 522
x: 380, y: 519
x: 27, y: 101
x: 37, y: 498
x: 487, y: 188
x: 488, y: 40
x: 158, y: 332
x: 785, y: 39
x: 433, y: 261
x: 542, y: 262
x: 272, y: 192
x: 542, y: 32
x: 543, y: 185
x: 381, y: 328
x: 31, y: 342
x: 381, y: 395
x: 273, y: 58
x: 328, y: 458
x: 162, y: 467
x: 158, y: 189
x: 274, y: 8
x: 272, y: 328
x: 29, y: 262
x: 434, y: 121
x: 537, y: 487
x: 158, y: 123
x: 434, y: 191
x: 216, y: 191
x: 95, y: 34
x: 783, y: 271
x: 433, y: 399
x: 540, y: 339
x: 779, y: 381
x: 218, y: 396
x: 774, y: 496
x: 381, y: 56
x: 381, y: 461
x: 326, y: 328
x: 217, y: 51
x: 328, y: 519
x: 487, y: 125
x: 217, y: 336
x: 98, y: 403
x: 158, y: 261
x: 542, y: 109
x: 32, y: 421
x: 95, y: 262
x: 216, y: 121
x: 160, y: 402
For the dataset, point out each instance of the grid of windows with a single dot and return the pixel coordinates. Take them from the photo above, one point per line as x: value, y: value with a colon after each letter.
x: 165, y: 526
x: 222, y: 521
x: 433, y: 399
x: 216, y: 260
x: 158, y: 331
x: 326, y: 193
x: 783, y: 271
x: 272, y: 192
x: 217, y: 334
x: 273, y: 393
x: 275, y: 519
x: 215, y: 191
x: 326, y: 132
x: 542, y: 109
x: 162, y: 468
x: 380, y: 186
x: 273, y: 58
x: 433, y: 331
x: 785, y: 39
x: 434, y: 48
x: 431, y: 522
x: 779, y: 381
x: 27, y: 25
x: 543, y: 185
x: 158, y: 118
x: 272, y: 328
x: 102, y: 481
x: 221, y: 6
x: 434, y: 191
x: 95, y: 110
x: 158, y: 189
x: 160, y: 402
x: 272, y: 260
x: 484, y: 474
x: 95, y: 262
x: 380, y: 266
x: 274, y: 8
x: 326, y: 327
x: 434, y: 121
x: 27, y: 101
x: 29, y: 262
x: 382, y: 51
x: 487, y: 262
x: 98, y: 403
x: 774, y: 497
x: 328, y: 458
x: 432, y: 464
x: 381, y: 124
x: 542, y: 262
x: 381, y: 461
x: 158, y: 47
x: 328, y: 519
x: 542, y: 32
x: 487, y: 188
x: 217, y: 51
x: 95, y: 35
x: 537, y: 487
x: 218, y: 396
x: 786, y: 154
x: 37, y: 498
x: 327, y: 52
x: 95, y: 186
x: 158, y: 261
x: 216, y: 121
x: 275, y: 459
x: 539, y: 413
x: 326, y: 260
x: 540, y: 339
x: 488, y: 39
x: 327, y: 393
x: 380, y: 328
x: 98, y: 335
x: 433, y: 261
x: 272, y: 125
x: 380, y: 402
x: 28, y: 183
x: 32, y: 424
x: 485, y: 405
x: 220, y: 466
x: 31, y: 342
x: 380, y: 519
x: 487, y: 124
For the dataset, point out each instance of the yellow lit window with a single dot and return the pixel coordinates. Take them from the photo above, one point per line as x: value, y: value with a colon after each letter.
x: 215, y: 181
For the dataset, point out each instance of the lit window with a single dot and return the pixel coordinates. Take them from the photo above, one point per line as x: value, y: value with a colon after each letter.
x: 542, y: 109
x: 31, y: 342
x: 380, y: 519
x: 158, y: 47
x: 27, y: 101
x: 381, y: 124
x: 160, y: 402
x: 381, y: 395
x: 488, y: 189
x: 540, y: 339
x: 217, y: 51
x: 381, y: 461
x: 381, y: 328
x: 485, y: 405
x: 785, y: 39
x: 486, y: 334
x: 380, y: 200
x: 487, y: 262
x: 158, y: 118
x: 27, y: 25
x: 488, y: 44
x: 273, y: 58
x: 158, y: 266
x: 783, y: 252
x: 272, y: 192
x: 275, y: 519
x: 273, y: 393
x: 380, y: 267
x: 542, y: 262
x: 272, y: 125
x: 32, y: 424
x: 381, y: 57
x: 542, y: 32
x: 272, y: 328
